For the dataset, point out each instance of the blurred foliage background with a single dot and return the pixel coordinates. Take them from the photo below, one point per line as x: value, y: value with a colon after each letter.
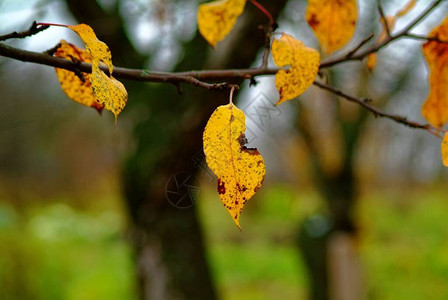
x: 65, y: 231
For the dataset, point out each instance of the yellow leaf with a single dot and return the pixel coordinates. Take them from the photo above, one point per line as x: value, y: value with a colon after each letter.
x: 240, y: 170
x: 76, y: 89
x: 107, y: 90
x: 216, y: 19
x: 304, y: 65
x: 445, y: 150
x: 333, y: 22
x: 435, y: 109
x: 94, y: 46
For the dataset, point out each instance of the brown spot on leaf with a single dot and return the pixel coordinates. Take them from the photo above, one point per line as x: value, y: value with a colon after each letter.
x: 221, y: 186
x: 251, y: 151
x: 313, y: 21
x: 242, y: 140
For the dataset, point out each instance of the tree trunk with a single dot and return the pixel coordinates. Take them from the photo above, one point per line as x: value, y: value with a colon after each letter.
x: 320, y: 240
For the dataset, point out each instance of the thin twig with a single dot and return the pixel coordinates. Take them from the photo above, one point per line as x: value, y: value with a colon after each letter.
x: 34, y: 29
x: 425, y: 38
x: 263, y: 10
x: 383, y: 18
x: 404, y: 33
x: 365, y: 103
x: 268, y: 29
x: 423, y: 15
x: 363, y: 42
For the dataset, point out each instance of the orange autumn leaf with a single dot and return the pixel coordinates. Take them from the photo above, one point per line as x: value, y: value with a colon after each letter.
x: 74, y: 87
x: 333, y: 22
x: 216, y: 19
x: 435, y: 109
x: 240, y: 170
x: 445, y: 150
x: 391, y: 20
x: 303, y: 65
x: 107, y: 90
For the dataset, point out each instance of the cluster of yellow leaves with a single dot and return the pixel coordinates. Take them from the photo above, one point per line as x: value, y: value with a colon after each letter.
x: 240, y: 170
x: 390, y: 20
x: 333, y: 22
x: 97, y: 89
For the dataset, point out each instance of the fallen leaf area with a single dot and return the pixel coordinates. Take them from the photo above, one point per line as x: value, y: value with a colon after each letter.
x: 240, y: 170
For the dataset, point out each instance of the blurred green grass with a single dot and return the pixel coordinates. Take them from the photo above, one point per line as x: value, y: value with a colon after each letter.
x: 59, y: 251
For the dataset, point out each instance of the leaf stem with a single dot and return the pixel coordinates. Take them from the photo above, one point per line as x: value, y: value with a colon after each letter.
x: 263, y: 10
x: 231, y: 93
x: 51, y: 24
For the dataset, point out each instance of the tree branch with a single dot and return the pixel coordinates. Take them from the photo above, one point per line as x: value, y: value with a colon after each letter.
x: 383, y: 18
x: 404, y: 33
x: 34, y: 29
x: 199, y: 78
x: 365, y: 103
x: 191, y: 77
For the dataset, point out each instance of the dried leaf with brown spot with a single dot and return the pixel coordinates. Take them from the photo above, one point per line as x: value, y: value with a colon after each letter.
x: 240, y: 170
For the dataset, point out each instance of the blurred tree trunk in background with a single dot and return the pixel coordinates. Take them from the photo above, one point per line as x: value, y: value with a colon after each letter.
x: 339, y: 192
x: 329, y: 241
x: 170, y: 255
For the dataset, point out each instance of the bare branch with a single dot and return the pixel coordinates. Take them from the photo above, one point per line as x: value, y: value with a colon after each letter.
x: 365, y: 103
x: 192, y: 77
x: 423, y: 15
x: 268, y: 30
x: 425, y: 38
x: 34, y: 29
x: 363, y: 42
x: 404, y: 33
x: 383, y: 18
